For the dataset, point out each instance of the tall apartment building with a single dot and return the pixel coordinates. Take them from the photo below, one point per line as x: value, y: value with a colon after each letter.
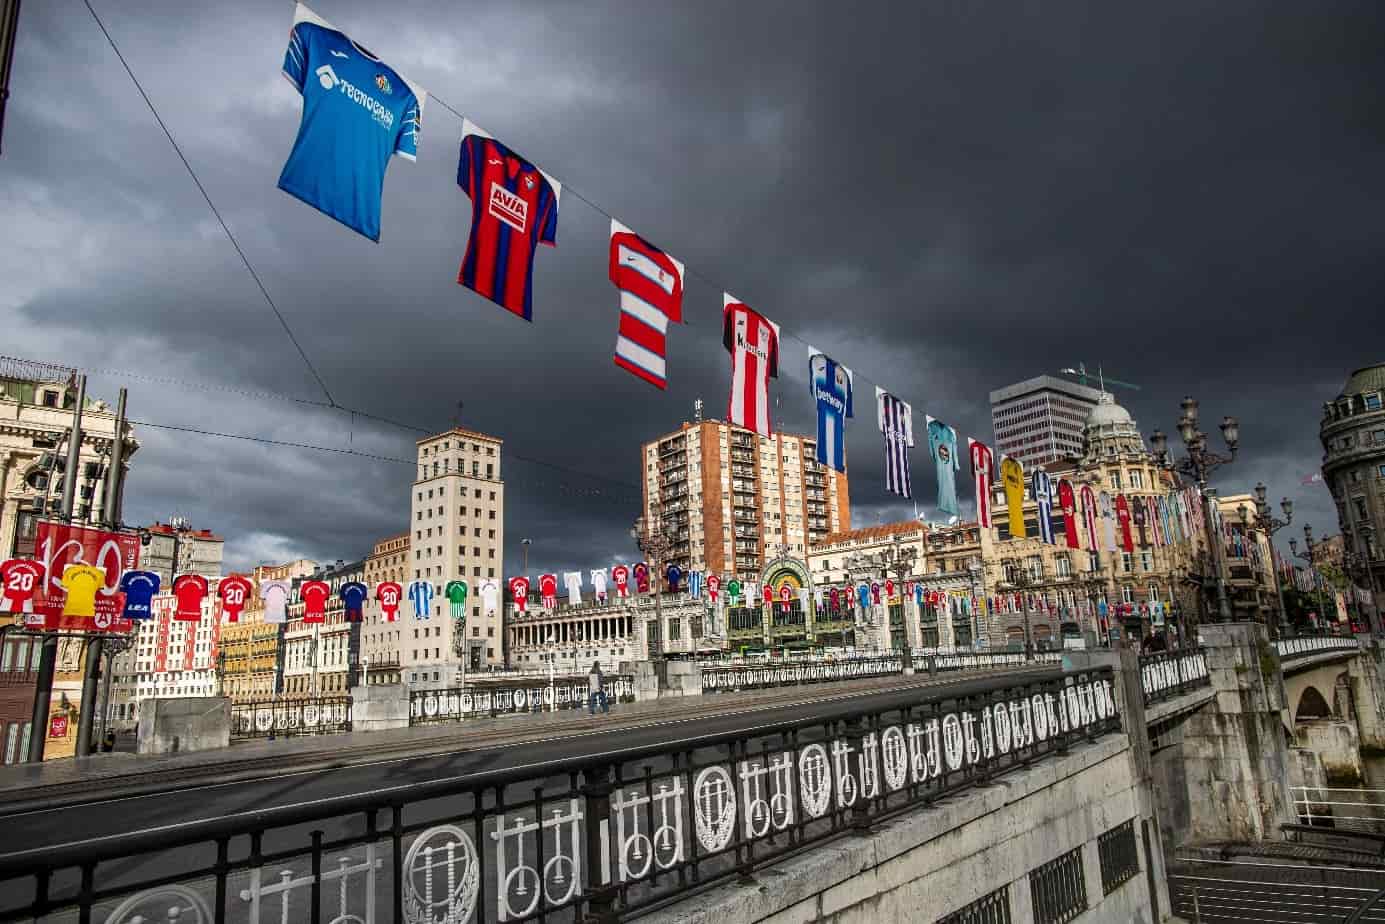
x: 457, y: 530
x: 734, y: 498
x: 1040, y: 420
x: 197, y: 551
x: 382, y: 641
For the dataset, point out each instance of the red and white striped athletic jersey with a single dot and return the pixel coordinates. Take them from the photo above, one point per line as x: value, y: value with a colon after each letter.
x: 982, y: 469
x: 753, y: 342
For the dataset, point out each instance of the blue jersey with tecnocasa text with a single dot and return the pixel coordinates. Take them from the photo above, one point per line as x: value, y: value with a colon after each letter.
x: 357, y: 112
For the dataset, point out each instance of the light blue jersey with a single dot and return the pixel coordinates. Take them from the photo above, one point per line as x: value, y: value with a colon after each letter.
x: 942, y: 446
x: 421, y: 596
x: 357, y: 111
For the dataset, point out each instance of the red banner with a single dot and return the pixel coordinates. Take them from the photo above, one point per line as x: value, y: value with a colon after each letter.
x: 57, y: 545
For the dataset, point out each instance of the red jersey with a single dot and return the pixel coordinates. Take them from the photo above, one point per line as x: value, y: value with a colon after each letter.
x: 620, y: 576
x: 388, y: 594
x: 753, y: 342
x: 234, y: 591
x: 1123, y: 517
x: 641, y: 572
x: 514, y: 208
x: 982, y: 468
x: 713, y: 586
x: 314, y: 595
x: 519, y: 590
x: 1067, y: 500
x: 20, y: 579
x: 548, y: 589
x: 651, y: 295
x: 189, y: 591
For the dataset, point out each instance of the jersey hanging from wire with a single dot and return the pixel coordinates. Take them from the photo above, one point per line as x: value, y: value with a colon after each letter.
x: 897, y: 425
x: 1012, y: 481
x: 651, y: 295
x: 753, y: 342
x: 421, y: 596
x: 829, y: 382
x: 514, y: 209
x: 357, y: 113
x: 982, y: 471
x: 1041, y: 485
x: 942, y: 446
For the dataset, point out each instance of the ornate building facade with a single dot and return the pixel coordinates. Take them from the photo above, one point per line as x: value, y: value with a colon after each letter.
x: 1353, y: 466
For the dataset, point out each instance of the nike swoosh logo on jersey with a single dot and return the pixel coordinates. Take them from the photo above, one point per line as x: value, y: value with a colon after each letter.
x: 338, y: 54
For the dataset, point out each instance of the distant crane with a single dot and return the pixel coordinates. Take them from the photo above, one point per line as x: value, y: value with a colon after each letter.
x: 1080, y: 373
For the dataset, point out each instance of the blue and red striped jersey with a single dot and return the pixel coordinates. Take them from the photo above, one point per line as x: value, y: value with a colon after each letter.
x: 514, y: 208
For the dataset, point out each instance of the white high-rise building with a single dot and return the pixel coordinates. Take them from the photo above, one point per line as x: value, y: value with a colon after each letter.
x: 456, y: 530
x: 1040, y: 420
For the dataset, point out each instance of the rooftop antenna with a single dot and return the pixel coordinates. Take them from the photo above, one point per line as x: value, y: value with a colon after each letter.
x: 1080, y: 373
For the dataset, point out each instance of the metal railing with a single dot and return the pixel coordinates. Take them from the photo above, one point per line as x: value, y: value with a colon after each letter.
x: 1356, y: 808
x: 282, y: 718
x: 1058, y: 889
x: 724, y: 679
x: 1291, y: 648
x: 1172, y: 673
x: 1256, y: 891
x: 455, y: 704
x: 612, y: 828
x: 993, y: 908
x: 1118, y: 855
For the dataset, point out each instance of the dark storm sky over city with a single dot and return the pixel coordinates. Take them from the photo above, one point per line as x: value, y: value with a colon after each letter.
x: 947, y: 197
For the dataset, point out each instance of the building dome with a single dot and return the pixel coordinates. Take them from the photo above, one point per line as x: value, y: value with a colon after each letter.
x: 1110, y: 431
x: 1365, y: 380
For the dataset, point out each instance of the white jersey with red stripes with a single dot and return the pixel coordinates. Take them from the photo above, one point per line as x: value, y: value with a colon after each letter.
x: 753, y: 342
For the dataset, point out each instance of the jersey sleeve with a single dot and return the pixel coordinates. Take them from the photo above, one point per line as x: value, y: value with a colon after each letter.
x: 296, y: 55
x: 548, y: 231
x: 406, y: 142
x: 466, y: 174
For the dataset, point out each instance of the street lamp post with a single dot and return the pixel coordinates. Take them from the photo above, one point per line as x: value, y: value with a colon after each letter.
x: 1308, y: 556
x: 1269, y: 525
x: 897, y: 560
x: 654, y: 539
x: 1199, y: 463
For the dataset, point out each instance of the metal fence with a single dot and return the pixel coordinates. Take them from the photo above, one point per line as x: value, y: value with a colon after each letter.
x: 763, y: 676
x: 1120, y: 858
x: 1348, y: 808
x: 1268, y: 891
x: 988, y: 909
x: 283, y: 718
x: 456, y: 704
x: 1172, y: 673
x: 605, y: 832
x: 1291, y: 648
x: 1058, y: 889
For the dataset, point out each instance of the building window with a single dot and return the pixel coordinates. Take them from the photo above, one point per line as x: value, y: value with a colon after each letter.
x: 1116, y: 480
x: 1062, y: 566
x: 1373, y: 402
x: 1127, y: 595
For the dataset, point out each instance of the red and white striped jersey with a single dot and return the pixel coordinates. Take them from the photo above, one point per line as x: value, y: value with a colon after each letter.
x: 753, y: 342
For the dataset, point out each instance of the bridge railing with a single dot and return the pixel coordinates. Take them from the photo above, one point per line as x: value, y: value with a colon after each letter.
x: 607, y: 829
x: 1172, y: 673
x: 1291, y: 648
x: 795, y: 673
x: 455, y: 704
x: 283, y: 718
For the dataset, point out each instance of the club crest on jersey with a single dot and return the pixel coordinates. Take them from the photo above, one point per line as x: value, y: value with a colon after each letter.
x: 508, y: 208
x: 945, y: 453
x: 528, y: 182
x: 383, y: 83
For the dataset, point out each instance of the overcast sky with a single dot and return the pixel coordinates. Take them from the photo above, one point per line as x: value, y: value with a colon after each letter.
x: 947, y: 197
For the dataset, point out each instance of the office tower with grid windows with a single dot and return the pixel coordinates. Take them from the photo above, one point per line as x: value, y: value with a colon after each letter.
x: 1040, y: 420
x: 733, y: 499
x: 457, y: 530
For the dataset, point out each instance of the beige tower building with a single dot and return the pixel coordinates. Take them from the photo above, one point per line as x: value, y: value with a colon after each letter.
x: 457, y: 530
x: 735, y: 499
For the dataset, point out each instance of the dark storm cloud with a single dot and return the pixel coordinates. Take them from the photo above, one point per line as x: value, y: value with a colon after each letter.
x: 946, y: 197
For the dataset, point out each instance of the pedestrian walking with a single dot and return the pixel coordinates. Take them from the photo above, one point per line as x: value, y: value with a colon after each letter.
x: 596, y: 691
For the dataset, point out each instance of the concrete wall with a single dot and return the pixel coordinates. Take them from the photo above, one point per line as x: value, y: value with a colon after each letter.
x: 934, y: 860
x: 1337, y: 747
x: 192, y: 723
x: 379, y: 706
x: 1366, y: 674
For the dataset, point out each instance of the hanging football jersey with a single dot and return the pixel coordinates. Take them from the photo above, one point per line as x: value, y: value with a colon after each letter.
x: 1041, y: 486
x: 83, y: 581
x: 1012, y: 480
x: 675, y: 576
x: 519, y: 592
x: 189, y: 590
x: 641, y: 575
x: 598, y: 576
x: 713, y: 587
x: 1067, y: 501
x: 1108, y: 520
x: 514, y: 209
x: 548, y: 591
x: 353, y: 597
x: 620, y: 577
x: 389, y: 594
x: 421, y: 596
x: 357, y: 113
x: 456, y: 594
x: 733, y: 591
x: 1089, y: 515
x: 982, y: 471
x: 695, y: 585
x: 490, y: 597
x: 651, y: 295
x: 234, y: 591
x: 275, y: 595
x: 896, y: 419
x: 572, y: 580
x: 829, y: 383
x: 1127, y: 540
x: 942, y: 446
x: 21, y: 578
x: 140, y: 588
x: 753, y: 342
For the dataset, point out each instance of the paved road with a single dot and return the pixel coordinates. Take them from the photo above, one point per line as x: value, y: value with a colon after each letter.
x: 160, y: 820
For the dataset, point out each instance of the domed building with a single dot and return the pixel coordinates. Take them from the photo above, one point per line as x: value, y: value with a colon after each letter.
x: 1110, y: 434
x: 1353, y: 466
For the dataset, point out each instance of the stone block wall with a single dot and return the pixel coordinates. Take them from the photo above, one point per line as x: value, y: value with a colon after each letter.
x: 193, y: 723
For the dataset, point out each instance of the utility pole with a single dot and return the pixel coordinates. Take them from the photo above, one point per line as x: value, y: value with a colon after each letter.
x: 110, y: 517
x: 9, y: 26
x: 48, y: 656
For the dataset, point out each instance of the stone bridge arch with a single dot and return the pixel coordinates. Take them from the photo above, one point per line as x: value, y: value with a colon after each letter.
x: 1312, y: 705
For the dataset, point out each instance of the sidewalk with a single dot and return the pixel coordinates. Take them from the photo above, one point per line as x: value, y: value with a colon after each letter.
x: 76, y: 780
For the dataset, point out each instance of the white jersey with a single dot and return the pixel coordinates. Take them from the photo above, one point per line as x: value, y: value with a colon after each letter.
x: 490, y: 597
x: 599, y: 583
x: 573, y: 580
x: 275, y: 595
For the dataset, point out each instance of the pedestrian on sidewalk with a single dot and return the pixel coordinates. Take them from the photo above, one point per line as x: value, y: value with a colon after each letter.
x: 596, y: 691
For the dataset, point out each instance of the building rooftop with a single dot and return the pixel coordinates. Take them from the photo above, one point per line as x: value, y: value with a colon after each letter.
x: 1365, y: 379
x: 460, y: 431
x: 1041, y: 382
x: 868, y: 533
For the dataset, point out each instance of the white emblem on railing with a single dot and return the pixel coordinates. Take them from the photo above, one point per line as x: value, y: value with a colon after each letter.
x: 178, y: 905
x: 449, y: 849
x: 559, y: 880
x: 896, y: 757
x: 767, y: 793
x: 664, y: 846
x: 814, y: 780
x: 714, y: 808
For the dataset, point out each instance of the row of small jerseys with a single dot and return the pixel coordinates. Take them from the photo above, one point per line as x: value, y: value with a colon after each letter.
x: 359, y: 111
